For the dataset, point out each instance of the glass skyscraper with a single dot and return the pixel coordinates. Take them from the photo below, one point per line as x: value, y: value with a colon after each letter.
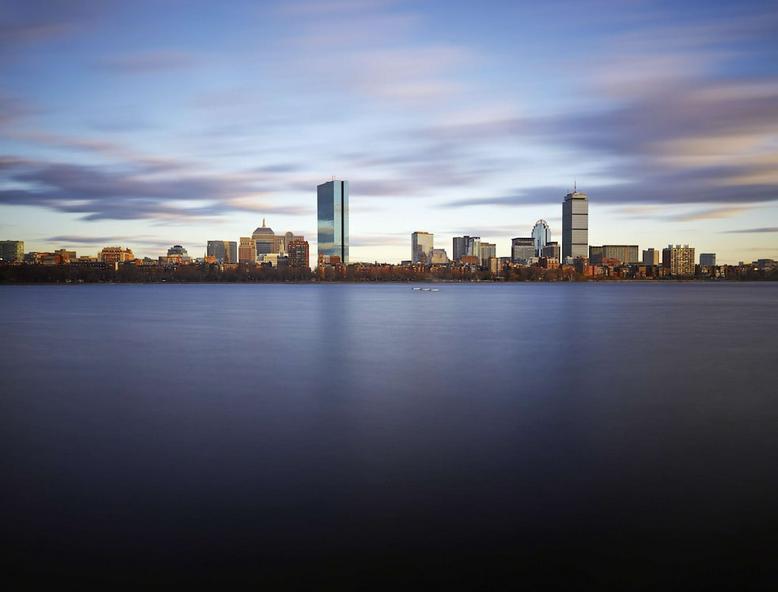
x: 224, y: 251
x: 421, y: 247
x: 333, y: 219
x: 541, y: 234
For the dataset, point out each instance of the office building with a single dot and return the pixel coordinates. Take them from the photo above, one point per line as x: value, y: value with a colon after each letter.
x: 298, y: 252
x: 679, y: 260
x: 332, y: 212
x: 487, y: 251
x: 11, y: 250
x: 623, y: 253
x: 575, y: 225
x: 611, y: 253
x: 708, y: 259
x: 247, y: 250
x: 223, y: 251
x: 421, y: 247
x: 288, y: 238
x: 65, y: 256
x: 651, y: 257
x: 115, y: 255
x: 541, y: 234
x: 466, y: 246
x: 439, y: 257
x: 552, y: 251
x: 522, y: 249
x: 178, y: 252
x: 266, y: 240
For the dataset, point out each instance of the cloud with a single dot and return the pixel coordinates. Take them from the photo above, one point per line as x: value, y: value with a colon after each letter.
x: 519, y: 197
x: 129, y: 191
x: 764, y: 229
x: 28, y: 22
x: 711, y: 214
x: 83, y: 240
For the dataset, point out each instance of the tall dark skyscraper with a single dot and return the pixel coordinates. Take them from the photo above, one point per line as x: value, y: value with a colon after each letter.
x: 575, y: 225
x: 333, y: 219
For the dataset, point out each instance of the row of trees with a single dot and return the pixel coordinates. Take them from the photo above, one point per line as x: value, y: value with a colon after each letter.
x: 250, y: 273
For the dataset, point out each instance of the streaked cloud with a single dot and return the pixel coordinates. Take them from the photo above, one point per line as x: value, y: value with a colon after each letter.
x: 125, y: 193
x: 761, y: 230
x: 470, y: 117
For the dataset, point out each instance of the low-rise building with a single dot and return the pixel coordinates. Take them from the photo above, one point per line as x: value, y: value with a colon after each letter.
x: 707, y: 259
x: 439, y: 257
x: 115, y: 255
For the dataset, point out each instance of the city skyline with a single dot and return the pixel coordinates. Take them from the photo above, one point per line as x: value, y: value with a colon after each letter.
x: 476, y: 121
x: 333, y: 223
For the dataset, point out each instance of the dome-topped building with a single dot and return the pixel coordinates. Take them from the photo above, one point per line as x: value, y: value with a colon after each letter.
x: 266, y: 240
x: 263, y: 231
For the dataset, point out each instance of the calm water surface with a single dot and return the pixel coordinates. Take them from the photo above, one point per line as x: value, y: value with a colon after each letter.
x: 340, y: 434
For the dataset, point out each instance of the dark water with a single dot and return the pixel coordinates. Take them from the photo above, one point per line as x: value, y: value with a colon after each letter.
x: 346, y: 435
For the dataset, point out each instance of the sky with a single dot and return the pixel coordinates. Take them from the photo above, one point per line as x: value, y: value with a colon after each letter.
x: 148, y: 124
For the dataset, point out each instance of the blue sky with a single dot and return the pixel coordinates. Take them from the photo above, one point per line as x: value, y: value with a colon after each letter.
x: 152, y: 123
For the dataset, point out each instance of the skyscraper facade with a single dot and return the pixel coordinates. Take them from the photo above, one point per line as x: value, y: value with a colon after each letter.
x: 651, y: 257
x: 421, y: 247
x: 541, y: 234
x: 223, y: 251
x: 487, y: 251
x: 298, y: 252
x: 679, y: 260
x: 551, y: 250
x: 621, y: 253
x: 522, y: 249
x: 332, y: 210
x: 575, y: 225
x: 466, y: 246
x: 247, y: 251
